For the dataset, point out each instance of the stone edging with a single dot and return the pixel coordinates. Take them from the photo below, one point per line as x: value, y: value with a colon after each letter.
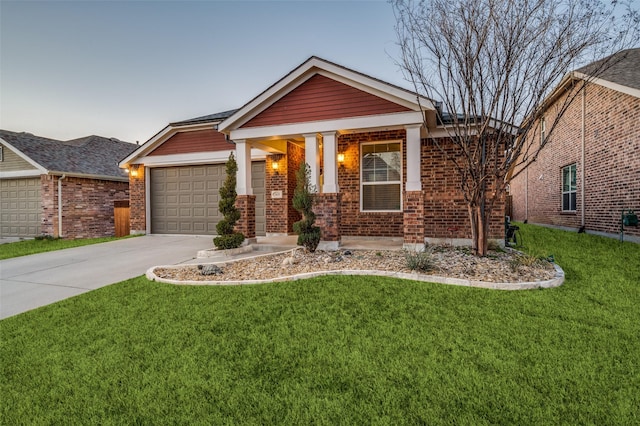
x: 556, y: 281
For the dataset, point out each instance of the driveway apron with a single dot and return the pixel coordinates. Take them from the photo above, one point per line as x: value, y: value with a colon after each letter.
x: 29, y: 282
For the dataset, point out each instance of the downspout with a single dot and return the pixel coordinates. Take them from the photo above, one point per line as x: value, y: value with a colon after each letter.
x: 60, y: 205
x: 582, y: 156
x: 526, y: 194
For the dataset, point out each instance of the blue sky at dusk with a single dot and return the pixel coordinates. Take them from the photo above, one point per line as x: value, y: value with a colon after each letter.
x: 126, y: 69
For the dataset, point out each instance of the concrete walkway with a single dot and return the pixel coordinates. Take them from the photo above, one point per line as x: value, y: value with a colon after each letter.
x: 29, y: 282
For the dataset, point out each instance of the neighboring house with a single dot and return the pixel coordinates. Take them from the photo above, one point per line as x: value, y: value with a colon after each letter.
x: 376, y: 173
x: 589, y: 171
x: 60, y: 188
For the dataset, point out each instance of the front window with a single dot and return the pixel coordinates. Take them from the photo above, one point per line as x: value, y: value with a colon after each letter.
x: 381, y: 183
x: 569, y: 188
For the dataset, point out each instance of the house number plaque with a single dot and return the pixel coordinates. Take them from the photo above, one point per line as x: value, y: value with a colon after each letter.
x: 276, y: 194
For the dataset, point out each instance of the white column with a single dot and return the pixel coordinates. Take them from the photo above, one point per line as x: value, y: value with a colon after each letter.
x: 243, y: 158
x: 312, y: 158
x: 330, y: 163
x: 414, y: 157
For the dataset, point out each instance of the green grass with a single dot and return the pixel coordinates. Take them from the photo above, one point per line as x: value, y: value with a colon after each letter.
x: 339, y: 350
x: 27, y: 247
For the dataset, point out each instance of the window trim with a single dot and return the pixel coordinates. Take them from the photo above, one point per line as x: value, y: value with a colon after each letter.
x: 362, y: 183
x: 574, y: 191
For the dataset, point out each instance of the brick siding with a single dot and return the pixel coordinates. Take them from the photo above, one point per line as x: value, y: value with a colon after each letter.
x: 611, y: 169
x: 138, y: 202
x: 353, y: 221
x: 327, y: 209
x: 247, y: 223
x: 87, y: 206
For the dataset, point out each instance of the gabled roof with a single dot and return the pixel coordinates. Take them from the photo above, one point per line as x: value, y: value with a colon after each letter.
x: 622, y: 68
x: 91, y: 156
x: 315, y: 65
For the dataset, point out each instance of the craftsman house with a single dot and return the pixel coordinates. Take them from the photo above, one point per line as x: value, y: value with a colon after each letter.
x: 589, y: 171
x: 376, y: 172
x: 60, y: 188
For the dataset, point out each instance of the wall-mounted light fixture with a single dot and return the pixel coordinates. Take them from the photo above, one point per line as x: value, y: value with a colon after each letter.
x: 341, y: 159
x: 133, y: 171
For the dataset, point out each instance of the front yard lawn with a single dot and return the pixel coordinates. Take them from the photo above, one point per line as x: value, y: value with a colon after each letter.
x: 339, y: 350
x: 27, y: 247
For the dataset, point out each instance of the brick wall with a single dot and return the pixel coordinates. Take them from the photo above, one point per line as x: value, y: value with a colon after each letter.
x: 353, y: 221
x: 444, y: 211
x: 276, y: 208
x: 328, y: 215
x: 280, y: 212
x: 138, y: 202
x: 295, y: 157
x: 414, y: 217
x: 247, y: 223
x: 87, y: 206
x: 446, y: 214
x: 611, y: 169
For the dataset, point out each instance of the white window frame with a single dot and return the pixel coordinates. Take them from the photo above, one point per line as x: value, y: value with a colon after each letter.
x: 362, y: 183
x: 570, y: 191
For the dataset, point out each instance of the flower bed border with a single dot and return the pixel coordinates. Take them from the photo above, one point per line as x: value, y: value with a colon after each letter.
x: 556, y: 281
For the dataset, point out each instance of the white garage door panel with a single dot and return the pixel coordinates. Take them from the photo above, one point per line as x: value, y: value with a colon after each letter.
x: 184, y: 200
x: 20, y: 207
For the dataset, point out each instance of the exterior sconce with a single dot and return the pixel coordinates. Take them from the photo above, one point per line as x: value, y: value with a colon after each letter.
x: 275, y: 166
x: 341, y: 159
x: 133, y: 171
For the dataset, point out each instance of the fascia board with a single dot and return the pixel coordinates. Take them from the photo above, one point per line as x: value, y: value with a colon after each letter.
x: 343, y: 75
x: 25, y: 157
x: 20, y: 174
x: 90, y: 176
x: 609, y: 84
x: 343, y: 124
x: 194, y: 158
x: 161, y: 137
x: 377, y: 88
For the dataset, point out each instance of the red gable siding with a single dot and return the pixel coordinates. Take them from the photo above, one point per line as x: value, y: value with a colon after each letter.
x: 196, y: 141
x: 321, y: 98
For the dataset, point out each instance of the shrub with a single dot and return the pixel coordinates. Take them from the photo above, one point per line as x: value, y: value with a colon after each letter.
x: 229, y: 241
x: 419, y: 260
x: 227, y: 238
x: 303, y: 199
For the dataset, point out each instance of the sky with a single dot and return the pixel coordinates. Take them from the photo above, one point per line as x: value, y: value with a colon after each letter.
x: 126, y: 69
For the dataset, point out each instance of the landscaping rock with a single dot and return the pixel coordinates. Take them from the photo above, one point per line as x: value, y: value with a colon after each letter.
x: 448, y: 262
x: 210, y: 269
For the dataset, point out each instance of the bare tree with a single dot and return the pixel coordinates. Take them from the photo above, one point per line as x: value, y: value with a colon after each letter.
x: 491, y: 64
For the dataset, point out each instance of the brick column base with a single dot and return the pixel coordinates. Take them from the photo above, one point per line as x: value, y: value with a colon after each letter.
x: 414, y: 220
x: 327, y: 210
x: 247, y: 223
x: 138, y: 202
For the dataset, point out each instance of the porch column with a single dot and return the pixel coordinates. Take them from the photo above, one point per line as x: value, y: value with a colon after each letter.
x: 243, y: 158
x: 413, y: 208
x: 330, y: 170
x: 312, y: 158
x: 245, y: 201
x: 414, y: 156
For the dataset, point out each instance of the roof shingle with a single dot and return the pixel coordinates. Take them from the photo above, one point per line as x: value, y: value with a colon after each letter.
x: 91, y: 155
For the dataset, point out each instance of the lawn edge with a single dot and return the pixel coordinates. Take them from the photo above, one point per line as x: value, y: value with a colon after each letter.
x: 556, y: 281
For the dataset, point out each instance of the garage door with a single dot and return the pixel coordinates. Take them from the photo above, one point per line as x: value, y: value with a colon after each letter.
x: 184, y: 200
x: 20, y: 206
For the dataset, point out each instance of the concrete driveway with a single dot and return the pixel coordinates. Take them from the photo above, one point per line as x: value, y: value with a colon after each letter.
x: 29, y: 282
